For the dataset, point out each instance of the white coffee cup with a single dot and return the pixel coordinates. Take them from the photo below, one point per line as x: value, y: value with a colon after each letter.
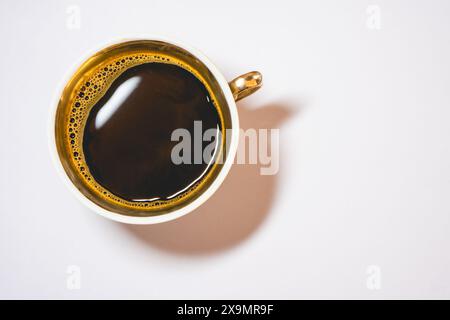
x: 233, y: 91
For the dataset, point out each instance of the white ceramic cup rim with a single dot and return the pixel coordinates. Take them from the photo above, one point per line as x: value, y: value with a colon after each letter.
x: 178, y: 212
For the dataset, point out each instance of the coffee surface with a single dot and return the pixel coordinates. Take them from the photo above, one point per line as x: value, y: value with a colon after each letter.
x: 127, y: 136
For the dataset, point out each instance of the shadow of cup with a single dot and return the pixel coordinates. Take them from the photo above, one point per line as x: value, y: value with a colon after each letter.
x: 234, y: 212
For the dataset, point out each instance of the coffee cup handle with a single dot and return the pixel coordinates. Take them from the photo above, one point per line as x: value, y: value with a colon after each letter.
x: 245, y: 84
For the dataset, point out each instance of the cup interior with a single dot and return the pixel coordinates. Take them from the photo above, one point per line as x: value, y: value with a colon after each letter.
x: 89, y: 68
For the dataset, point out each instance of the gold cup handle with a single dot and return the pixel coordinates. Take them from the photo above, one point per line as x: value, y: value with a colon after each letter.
x: 245, y: 85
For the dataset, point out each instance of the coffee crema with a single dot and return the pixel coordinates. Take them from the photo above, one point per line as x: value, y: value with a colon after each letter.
x: 118, y: 129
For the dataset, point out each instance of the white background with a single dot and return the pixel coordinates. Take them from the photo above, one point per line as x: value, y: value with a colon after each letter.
x: 365, y: 155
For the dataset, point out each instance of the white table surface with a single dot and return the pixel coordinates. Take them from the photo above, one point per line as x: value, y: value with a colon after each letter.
x: 364, y: 181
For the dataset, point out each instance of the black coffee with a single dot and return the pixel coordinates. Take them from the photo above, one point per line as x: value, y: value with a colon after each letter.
x: 127, y: 135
